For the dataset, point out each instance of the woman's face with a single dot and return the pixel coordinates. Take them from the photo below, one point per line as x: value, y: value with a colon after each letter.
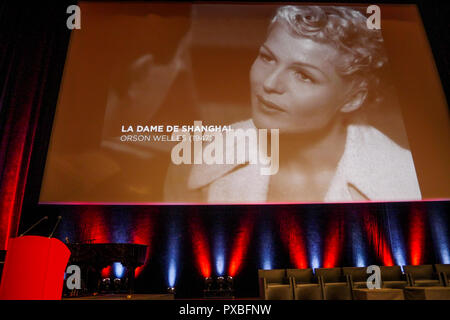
x: 294, y: 84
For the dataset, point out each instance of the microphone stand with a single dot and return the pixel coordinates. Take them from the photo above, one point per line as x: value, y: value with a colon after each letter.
x: 56, y: 225
x: 34, y: 225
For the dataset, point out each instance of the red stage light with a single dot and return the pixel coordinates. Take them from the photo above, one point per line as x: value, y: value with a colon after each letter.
x: 142, y: 234
x: 95, y: 227
x: 293, y: 238
x: 201, y: 247
x: 416, y: 236
x: 333, y: 242
x: 240, y: 245
x: 377, y: 238
x: 106, y: 272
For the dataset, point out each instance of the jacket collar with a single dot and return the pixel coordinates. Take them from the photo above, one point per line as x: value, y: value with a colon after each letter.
x: 371, y: 163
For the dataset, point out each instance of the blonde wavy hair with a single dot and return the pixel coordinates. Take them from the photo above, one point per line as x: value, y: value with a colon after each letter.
x: 346, y: 30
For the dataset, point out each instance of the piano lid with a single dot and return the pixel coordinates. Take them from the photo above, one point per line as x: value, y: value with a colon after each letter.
x: 104, y: 254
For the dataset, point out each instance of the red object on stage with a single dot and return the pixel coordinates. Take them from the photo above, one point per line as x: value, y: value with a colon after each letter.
x: 34, y: 269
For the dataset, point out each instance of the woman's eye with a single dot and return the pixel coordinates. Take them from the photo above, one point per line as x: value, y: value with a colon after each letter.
x: 265, y: 57
x: 303, y: 77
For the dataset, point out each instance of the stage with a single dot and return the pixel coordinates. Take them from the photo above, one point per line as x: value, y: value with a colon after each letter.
x: 123, y: 296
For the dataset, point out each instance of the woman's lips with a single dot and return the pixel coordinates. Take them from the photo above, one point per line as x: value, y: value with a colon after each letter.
x: 269, y: 106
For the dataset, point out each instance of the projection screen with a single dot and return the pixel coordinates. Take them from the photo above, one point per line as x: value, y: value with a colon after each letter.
x: 248, y: 103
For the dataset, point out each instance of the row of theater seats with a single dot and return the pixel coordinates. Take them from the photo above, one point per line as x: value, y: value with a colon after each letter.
x: 338, y: 283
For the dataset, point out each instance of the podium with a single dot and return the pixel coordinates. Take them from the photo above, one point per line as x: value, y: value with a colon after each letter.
x: 34, y: 269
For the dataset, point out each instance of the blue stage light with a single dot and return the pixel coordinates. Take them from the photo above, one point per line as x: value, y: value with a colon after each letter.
x: 313, y: 239
x: 360, y: 262
x: 173, y: 243
x: 118, y: 269
x: 172, y: 274
x: 315, y: 262
x: 267, y: 265
x: 219, y: 249
x: 358, y: 249
x: 439, y: 233
x: 266, y: 246
x: 396, y: 237
x: 120, y: 223
x: 220, y: 264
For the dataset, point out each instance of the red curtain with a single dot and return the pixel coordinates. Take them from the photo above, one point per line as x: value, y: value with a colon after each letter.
x: 377, y: 238
x: 30, y: 39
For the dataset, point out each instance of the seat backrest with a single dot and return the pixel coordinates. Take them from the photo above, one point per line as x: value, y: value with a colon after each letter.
x: 422, y: 272
x: 359, y: 274
x: 273, y: 276
x: 391, y: 273
x: 301, y: 275
x: 444, y: 268
x: 329, y: 274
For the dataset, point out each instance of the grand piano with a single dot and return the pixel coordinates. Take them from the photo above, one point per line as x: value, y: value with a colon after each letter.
x: 93, y: 257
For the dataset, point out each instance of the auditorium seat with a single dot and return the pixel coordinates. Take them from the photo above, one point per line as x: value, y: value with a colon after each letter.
x: 274, y: 285
x: 422, y: 276
x: 392, y: 277
x: 335, y: 285
x: 357, y: 277
x: 306, y: 286
x: 443, y: 271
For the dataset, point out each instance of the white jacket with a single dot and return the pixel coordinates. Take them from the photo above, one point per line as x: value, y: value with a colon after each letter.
x: 372, y: 163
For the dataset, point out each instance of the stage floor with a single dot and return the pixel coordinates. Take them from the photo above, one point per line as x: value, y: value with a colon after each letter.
x: 147, y: 296
x: 124, y: 296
